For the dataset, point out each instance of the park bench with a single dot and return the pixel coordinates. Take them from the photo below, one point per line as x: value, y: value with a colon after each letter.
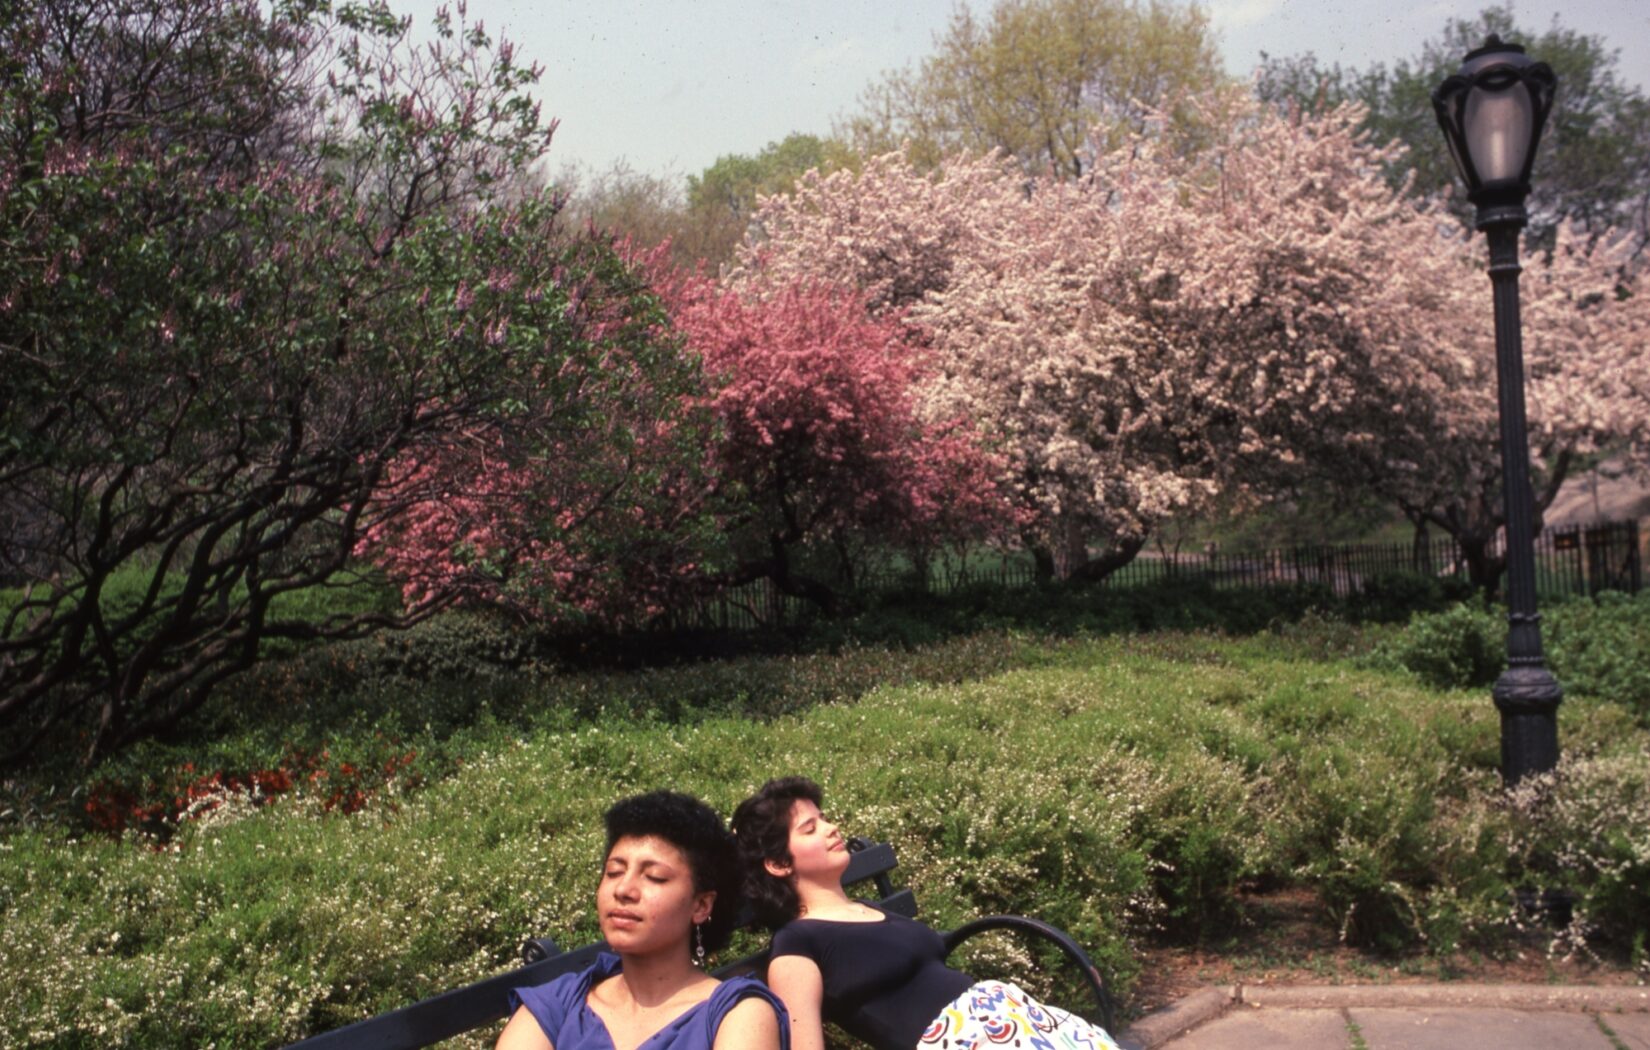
x: 484, y: 1002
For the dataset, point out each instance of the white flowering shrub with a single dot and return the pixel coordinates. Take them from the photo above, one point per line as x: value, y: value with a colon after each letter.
x: 1583, y: 830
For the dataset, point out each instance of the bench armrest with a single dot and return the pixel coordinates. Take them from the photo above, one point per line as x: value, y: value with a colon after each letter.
x: 535, y: 948
x: 1062, y: 940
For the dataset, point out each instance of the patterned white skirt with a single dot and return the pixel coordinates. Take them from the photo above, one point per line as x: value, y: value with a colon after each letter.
x: 995, y: 1014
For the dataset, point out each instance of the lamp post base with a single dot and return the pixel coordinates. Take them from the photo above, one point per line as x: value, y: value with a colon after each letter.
x: 1528, y: 699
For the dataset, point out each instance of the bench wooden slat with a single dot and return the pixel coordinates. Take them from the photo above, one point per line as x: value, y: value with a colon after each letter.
x: 902, y: 903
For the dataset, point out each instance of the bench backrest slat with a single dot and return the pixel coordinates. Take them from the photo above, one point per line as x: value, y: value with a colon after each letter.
x: 450, y: 1013
x: 902, y: 903
x: 873, y: 861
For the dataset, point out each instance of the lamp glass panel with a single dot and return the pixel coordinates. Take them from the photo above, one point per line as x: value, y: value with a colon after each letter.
x: 1497, y: 129
x: 1460, y: 161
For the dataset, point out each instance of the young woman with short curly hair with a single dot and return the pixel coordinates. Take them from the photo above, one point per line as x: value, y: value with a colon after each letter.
x: 668, y: 896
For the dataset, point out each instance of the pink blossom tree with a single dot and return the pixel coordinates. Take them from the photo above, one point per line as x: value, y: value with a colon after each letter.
x: 1036, y: 293
x: 1363, y: 318
x: 1587, y: 389
x: 819, y: 436
x: 587, y: 506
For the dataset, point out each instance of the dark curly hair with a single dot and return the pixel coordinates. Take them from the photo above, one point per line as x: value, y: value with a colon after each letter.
x: 696, y: 830
x: 762, y: 824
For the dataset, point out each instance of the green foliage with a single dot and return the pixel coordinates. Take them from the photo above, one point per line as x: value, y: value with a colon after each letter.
x: 735, y: 181
x: 1601, y: 647
x: 349, y: 715
x: 915, y: 616
x: 1046, y: 81
x: 1580, y: 831
x: 721, y: 198
x: 347, y: 594
x: 1389, y: 597
x: 239, y: 305
x: 1365, y: 825
x: 1597, y: 647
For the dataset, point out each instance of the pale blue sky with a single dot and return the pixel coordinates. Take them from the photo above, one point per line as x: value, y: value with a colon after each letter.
x: 670, y: 85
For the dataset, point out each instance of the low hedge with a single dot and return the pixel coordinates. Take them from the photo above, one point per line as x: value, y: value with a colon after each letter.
x: 407, y: 710
x: 331, y: 711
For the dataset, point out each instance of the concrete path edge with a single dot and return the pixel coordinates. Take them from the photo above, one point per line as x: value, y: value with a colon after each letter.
x: 1179, y: 1017
x: 1160, y: 1026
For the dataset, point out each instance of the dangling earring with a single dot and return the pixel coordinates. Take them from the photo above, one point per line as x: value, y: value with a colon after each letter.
x: 699, y: 945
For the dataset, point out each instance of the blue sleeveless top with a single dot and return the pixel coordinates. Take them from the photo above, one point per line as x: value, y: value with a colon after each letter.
x: 568, y: 1022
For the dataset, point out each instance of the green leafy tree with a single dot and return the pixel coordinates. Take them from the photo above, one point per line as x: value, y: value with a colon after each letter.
x: 722, y: 198
x: 1039, y: 78
x: 1593, y: 169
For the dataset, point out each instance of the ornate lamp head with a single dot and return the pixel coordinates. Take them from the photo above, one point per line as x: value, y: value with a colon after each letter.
x: 1492, y: 112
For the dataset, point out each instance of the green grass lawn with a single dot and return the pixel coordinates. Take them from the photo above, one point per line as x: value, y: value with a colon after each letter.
x: 1123, y: 788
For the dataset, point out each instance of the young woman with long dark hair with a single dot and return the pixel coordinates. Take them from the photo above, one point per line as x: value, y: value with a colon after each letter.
x: 880, y: 976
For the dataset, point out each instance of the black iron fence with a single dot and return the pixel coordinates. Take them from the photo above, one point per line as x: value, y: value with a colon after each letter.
x: 1569, y: 560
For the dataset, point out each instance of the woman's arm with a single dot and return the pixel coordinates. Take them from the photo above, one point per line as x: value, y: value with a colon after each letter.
x: 796, y: 980
x: 524, y: 1033
x: 752, y: 1025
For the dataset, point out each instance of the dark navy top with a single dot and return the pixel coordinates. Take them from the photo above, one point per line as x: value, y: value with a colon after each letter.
x: 568, y: 1022
x: 884, y: 981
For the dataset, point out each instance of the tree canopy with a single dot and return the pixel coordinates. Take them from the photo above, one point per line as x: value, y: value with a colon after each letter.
x: 722, y: 198
x: 1138, y: 361
x: 1037, y: 78
x: 820, y: 437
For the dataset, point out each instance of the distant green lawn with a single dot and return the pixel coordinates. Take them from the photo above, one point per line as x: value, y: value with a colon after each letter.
x: 1122, y: 788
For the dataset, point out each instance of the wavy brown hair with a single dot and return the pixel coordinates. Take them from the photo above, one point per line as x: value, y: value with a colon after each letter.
x: 762, y: 825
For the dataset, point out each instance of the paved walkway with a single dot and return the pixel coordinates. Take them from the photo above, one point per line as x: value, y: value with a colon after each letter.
x: 1399, y: 1017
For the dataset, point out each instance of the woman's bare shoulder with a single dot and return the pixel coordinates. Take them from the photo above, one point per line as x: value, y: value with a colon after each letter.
x: 752, y: 1024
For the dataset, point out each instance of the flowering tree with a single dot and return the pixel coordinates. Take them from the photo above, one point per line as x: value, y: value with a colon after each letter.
x: 1586, y: 336
x: 819, y: 437
x: 888, y: 230
x: 1322, y: 301
x: 586, y: 502
x: 1355, y: 321
x: 249, y: 262
x: 1036, y: 294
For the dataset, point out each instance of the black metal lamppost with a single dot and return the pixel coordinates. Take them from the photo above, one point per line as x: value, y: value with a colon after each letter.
x: 1492, y: 112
